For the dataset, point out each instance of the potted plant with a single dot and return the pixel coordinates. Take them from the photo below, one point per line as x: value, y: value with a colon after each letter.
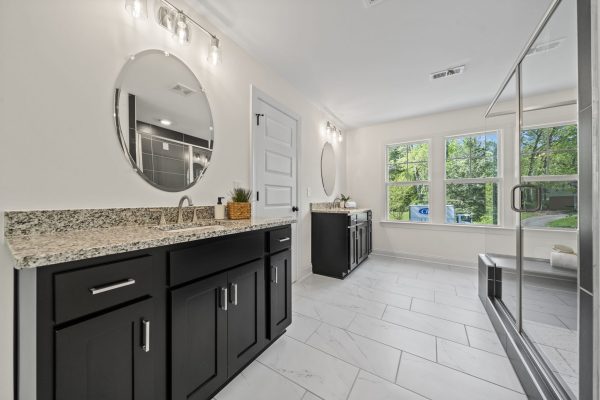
x: 343, y: 200
x: 240, y: 207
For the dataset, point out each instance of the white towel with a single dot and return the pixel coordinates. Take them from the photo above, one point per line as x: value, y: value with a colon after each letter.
x: 563, y: 260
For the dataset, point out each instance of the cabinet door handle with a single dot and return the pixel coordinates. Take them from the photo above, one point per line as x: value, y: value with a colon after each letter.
x: 146, y: 336
x: 287, y: 239
x: 234, y: 294
x: 112, y: 286
x: 276, y: 277
x: 224, y: 299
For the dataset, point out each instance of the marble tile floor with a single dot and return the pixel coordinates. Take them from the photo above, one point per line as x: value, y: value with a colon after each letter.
x: 394, y: 329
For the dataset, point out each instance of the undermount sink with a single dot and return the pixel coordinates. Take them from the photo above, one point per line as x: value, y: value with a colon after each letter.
x: 190, y: 228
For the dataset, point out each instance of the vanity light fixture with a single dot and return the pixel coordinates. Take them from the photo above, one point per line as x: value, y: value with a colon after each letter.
x: 137, y: 8
x: 182, y: 29
x: 179, y: 24
x: 333, y: 133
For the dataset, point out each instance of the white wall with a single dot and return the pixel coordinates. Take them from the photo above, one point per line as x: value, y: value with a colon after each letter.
x: 60, y: 60
x: 457, y: 244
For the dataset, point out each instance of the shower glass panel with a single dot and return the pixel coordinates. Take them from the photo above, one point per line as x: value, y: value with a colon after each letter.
x: 501, y: 244
x: 548, y: 165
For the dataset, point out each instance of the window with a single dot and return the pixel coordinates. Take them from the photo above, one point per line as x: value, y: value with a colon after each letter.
x: 472, y: 179
x: 407, y: 182
x: 549, y: 160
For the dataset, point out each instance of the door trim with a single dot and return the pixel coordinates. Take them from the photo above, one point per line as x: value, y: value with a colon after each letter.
x: 257, y: 94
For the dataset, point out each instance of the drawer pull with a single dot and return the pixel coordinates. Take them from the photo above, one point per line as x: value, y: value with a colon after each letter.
x: 112, y: 286
x: 234, y: 296
x: 224, y: 299
x: 146, y: 344
x: 287, y: 239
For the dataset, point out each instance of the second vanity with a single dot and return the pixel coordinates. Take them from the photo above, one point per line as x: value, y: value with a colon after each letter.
x: 341, y: 239
x: 137, y: 312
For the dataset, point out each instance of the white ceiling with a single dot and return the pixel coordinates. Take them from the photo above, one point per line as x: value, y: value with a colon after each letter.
x: 370, y: 65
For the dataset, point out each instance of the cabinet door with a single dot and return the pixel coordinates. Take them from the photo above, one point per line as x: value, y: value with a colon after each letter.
x: 353, y: 248
x: 363, y: 242
x: 370, y: 237
x: 107, y: 357
x: 280, y: 293
x: 246, y: 314
x: 199, y: 338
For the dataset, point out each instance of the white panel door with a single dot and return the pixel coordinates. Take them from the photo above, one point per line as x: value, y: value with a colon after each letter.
x: 274, y: 164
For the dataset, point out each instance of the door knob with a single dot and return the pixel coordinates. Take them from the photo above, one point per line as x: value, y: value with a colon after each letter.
x: 294, y: 209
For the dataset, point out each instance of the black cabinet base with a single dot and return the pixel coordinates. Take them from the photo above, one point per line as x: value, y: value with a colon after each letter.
x: 340, y: 242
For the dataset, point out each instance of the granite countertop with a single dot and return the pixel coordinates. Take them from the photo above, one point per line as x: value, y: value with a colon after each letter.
x: 341, y: 210
x: 41, y: 249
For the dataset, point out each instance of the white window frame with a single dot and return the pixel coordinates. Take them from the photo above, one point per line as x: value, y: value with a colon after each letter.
x: 388, y: 184
x: 461, y: 181
x: 550, y: 178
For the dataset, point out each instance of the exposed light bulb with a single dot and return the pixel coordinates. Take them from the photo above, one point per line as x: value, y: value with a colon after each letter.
x: 165, y: 122
x: 182, y: 29
x: 136, y: 8
x: 340, y: 138
x: 214, y: 51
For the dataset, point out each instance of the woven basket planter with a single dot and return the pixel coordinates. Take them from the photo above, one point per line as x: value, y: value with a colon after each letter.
x: 239, y: 210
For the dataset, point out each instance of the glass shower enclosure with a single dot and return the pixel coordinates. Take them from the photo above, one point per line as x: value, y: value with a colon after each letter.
x: 536, y: 253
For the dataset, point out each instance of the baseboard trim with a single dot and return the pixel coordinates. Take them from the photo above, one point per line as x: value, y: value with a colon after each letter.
x: 430, y: 259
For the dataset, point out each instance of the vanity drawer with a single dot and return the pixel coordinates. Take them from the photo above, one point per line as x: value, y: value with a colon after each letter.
x: 280, y: 239
x: 208, y: 258
x: 84, y: 291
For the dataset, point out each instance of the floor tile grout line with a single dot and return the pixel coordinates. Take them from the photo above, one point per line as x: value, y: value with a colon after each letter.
x: 398, y: 369
x: 347, y: 362
x: 466, y: 373
x: 467, y: 334
x: 353, y: 383
x: 405, y: 327
x: 284, y: 377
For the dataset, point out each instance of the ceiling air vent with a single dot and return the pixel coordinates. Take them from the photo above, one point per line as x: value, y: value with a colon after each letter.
x: 371, y: 3
x: 182, y: 90
x: 447, y: 72
x: 545, y: 47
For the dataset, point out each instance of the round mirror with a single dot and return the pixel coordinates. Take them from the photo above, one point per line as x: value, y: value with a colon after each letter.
x: 163, y: 120
x: 328, y: 168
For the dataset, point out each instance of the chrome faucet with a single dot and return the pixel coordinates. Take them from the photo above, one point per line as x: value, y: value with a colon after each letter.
x: 180, y: 212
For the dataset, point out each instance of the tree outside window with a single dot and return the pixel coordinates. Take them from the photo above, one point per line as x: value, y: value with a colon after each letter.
x: 549, y: 160
x: 472, y: 179
x: 407, y: 182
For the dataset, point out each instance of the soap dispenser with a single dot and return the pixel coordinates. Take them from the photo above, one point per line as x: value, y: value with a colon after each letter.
x: 220, y: 209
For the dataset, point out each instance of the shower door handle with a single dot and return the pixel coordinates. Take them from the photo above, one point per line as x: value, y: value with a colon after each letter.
x: 520, y: 209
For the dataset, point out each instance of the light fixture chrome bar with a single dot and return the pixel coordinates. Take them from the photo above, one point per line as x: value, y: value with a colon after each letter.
x: 535, y: 108
x: 212, y: 35
x: 536, y: 33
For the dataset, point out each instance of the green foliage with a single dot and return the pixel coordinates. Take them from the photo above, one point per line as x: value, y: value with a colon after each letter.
x: 544, y: 151
x: 408, y: 162
x: 479, y: 200
x: 567, y: 222
x: 549, y: 151
x: 240, y: 195
x: 344, y: 198
x: 472, y: 156
x: 400, y: 198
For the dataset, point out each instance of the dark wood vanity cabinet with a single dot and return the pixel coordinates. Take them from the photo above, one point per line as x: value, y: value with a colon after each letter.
x: 107, y: 357
x: 340, y: 242
x: 175, y: 323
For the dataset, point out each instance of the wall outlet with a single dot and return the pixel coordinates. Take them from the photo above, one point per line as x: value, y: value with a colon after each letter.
x: 308, y: 192
x: 237, y: 184
x: 165, y: 146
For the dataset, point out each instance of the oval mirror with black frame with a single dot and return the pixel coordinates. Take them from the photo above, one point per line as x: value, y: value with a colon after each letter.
x: 328, y: 168
x: 163, y: 120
